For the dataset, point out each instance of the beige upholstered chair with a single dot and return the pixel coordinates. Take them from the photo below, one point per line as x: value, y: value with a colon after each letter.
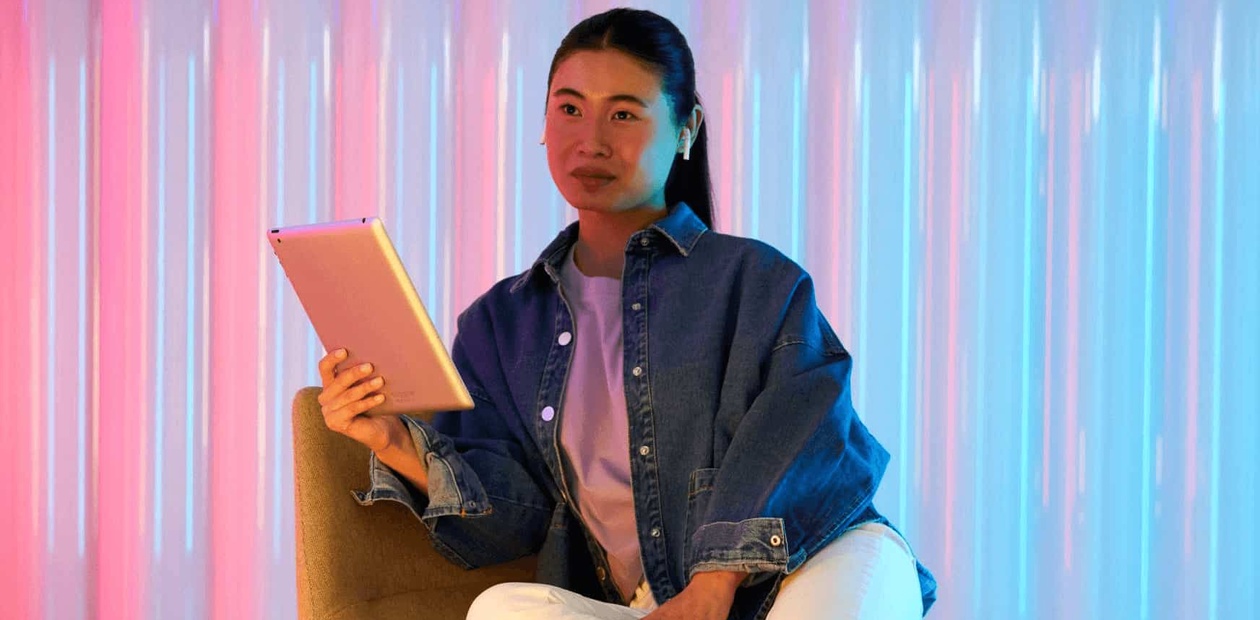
x: 368, y: 562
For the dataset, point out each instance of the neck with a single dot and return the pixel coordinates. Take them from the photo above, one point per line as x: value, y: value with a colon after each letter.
x: 602, y: 237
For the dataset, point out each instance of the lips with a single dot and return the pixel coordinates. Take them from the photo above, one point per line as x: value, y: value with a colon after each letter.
x: 593, y: 178
x: 592, y: 173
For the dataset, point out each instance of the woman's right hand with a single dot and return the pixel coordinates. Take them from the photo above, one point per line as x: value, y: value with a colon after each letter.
x: 347, y: 395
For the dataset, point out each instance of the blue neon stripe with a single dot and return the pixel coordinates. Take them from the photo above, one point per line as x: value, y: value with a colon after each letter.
x: 903, y: 498
x: 81, y: 396
x: 982, y: 324
x: 1025, y: 348
x: 1101, y: 344
x: 516, y: 201
x: 50, y: 314
x: 159, y: 336
x: 190, y: 288
x: 1147, y: 352
x: 1218, y: 275
x: 433, y: 183
x: 754, y: 229
x: 796, y: 166
x: 277, y: 294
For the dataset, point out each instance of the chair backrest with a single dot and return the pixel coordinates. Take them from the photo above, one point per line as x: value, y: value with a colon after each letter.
x: 368, y: 562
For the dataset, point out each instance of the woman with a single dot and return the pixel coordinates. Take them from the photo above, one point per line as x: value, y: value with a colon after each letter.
x: 662, y: 413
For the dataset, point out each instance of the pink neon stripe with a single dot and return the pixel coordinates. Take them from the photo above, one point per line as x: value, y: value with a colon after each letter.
x: 1076, y: 107
x: 33, y: 305
x: 951, y: 334
x: 122, y: 563
x: 358, y: 19
x: 1046, y: 387
x: 833, y: 248
x: 455, y: 268
x: 1192, y: 312
x: 234, y: 373
x: 20, y: 580
x: 484, y: 230
x: 92, y: 486
x: 847, y: 258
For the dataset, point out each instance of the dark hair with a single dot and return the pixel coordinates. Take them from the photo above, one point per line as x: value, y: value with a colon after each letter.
x: 657, y: 42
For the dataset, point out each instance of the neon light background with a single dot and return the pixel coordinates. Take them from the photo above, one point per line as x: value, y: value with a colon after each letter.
x: 1033, y: 223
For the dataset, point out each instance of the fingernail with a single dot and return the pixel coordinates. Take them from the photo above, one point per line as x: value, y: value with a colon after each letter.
x: 340, y: 353
x: 378, y: 382
x: 365, y: 367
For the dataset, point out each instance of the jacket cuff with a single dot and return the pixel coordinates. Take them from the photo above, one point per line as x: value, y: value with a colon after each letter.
x: 754, y: 546
x: 454, y: 488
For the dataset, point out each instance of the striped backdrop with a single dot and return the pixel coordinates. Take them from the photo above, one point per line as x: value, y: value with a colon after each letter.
x: 1035, y: 225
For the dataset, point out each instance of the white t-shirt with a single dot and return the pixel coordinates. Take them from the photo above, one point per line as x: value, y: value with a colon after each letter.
x: 594, y: 429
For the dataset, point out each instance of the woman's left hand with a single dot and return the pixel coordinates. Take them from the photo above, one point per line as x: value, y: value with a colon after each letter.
x: 707, y: 597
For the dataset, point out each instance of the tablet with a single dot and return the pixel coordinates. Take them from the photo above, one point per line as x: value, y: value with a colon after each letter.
x: 358, y: 296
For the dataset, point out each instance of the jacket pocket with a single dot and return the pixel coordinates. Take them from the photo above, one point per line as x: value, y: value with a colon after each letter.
x: 699, y: 491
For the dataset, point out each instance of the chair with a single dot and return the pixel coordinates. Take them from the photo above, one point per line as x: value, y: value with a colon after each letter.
x: 375, y: 561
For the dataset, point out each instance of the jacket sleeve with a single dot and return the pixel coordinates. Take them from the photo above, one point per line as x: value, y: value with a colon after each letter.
x: 801, y: 466
x: 485, y: 505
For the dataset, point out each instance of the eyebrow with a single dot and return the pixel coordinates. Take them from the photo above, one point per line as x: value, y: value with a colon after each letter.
x: 621, y: 97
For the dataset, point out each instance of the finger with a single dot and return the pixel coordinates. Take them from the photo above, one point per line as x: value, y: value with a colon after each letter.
x: 368, y: 403
x: 350, y: 376
x: 340, y: 419
x: 358, y: 392
x: 328, y: 364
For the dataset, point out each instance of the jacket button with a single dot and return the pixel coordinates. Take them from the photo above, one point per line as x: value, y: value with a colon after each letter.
x: 643, y: 241
x: 636, y: 306
x: 775, y: 541
x: 644, y: 450
x: 565, y: 338
x: 548, y: 413
x: 637, y: 371
x: 601, y: 573
x: 656, y: 532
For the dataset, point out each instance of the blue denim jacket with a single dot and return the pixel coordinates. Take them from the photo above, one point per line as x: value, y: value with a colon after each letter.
x: 745, y: 451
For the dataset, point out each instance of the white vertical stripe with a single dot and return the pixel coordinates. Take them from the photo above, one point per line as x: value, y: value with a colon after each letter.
x: 500, y: 206
x: 143, y: 402
x: 977, y: 64
x: 1216, y: 65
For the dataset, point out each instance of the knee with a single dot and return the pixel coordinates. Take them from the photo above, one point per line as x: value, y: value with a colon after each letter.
x: 490, y: 604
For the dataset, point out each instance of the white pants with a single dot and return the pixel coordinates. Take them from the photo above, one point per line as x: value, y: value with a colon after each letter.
x: 866, y: 573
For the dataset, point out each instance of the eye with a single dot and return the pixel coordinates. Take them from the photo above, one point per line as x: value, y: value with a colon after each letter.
x: 628, y: 115
x: 565, y: 107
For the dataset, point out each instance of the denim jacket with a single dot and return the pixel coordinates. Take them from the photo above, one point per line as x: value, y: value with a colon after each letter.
x: 745, y: 451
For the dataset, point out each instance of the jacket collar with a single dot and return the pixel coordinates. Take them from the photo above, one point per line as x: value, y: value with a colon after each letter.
x: 681, y: 226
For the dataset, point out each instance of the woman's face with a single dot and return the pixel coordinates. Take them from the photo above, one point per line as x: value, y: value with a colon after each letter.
x: 610, y: 137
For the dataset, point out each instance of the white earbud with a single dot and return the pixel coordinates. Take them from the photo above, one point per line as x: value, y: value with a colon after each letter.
x: 542, y: 139
x: 686, y: 143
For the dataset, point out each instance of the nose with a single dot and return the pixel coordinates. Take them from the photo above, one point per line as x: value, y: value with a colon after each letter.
x: 592, y: 142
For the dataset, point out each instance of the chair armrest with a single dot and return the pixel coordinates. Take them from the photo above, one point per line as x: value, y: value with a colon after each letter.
x: 350, y: 556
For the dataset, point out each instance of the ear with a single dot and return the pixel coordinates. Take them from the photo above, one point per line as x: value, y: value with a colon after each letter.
x: 692, y: 125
